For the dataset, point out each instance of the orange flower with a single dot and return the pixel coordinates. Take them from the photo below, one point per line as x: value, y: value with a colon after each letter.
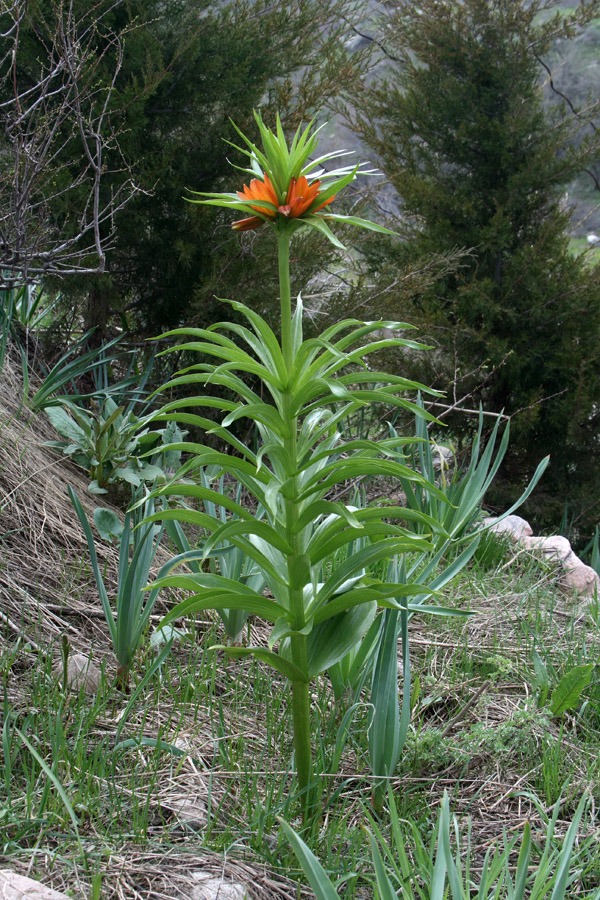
x: 258, y: 190
x: 248, y: 224
x: 261, y: 190
x: 299, y: 199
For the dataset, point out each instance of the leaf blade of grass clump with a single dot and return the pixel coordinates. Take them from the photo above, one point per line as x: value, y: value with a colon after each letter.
x: 314, y: 871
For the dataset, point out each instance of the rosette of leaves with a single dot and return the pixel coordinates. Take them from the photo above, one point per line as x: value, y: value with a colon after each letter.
x: 111, y: 444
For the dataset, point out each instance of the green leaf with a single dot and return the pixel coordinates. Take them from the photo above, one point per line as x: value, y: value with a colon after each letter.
x: 94, y: 488
x: 384, y: 728
x: 300, y: 570
x: 284, y: 666
x: 216, y: 599
x: 319, y: 224
x: 312, y: 868
x: 332, y: 639
x: 128, y: 474
x: 523, y: 863
x: 361, y: 223
x: 108, y: 613
x: 444, y: 840
x: 152, y: 473
x: 283, y: 629
x: 258, y: 412
x: 564, y: 860
x: 567, y: 692
x: 55, y: 781
x: 66, y: 426
x: 384, y: 885
x: 108, y: 523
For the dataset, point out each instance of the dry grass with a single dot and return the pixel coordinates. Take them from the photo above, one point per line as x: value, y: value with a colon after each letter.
x: 167, y: 873
x: 44, y: 551
x: 43, y: 547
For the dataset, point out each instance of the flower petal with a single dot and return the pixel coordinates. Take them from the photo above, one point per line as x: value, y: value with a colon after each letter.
x: 247, y: 224
x: 324, y: 203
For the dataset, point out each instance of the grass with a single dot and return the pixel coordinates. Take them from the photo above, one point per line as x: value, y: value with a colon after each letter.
x: 196, y: 776
x: 201, y: 772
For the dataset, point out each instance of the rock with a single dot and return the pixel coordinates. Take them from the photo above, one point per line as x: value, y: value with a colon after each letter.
x: 207, y: 887
x: 593, y: 239
x: 556, y: 547
x: 443, y: 457
x: 581, y: 580
x: 514, y: 526
x: 577, y: 578
x: 18, y: 887
x: 190, y: 812
x: 81, y: 673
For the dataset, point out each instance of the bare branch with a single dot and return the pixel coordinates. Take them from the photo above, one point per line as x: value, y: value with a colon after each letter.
x: 59, y: 142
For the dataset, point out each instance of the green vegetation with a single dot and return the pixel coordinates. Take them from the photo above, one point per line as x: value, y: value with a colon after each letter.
x: 478, y: 161
x: 219, y: 735
x: 293, y: 654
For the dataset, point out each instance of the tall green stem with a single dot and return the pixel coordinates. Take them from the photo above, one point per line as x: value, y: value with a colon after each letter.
x: 300, y: 689
x: 283, y: 253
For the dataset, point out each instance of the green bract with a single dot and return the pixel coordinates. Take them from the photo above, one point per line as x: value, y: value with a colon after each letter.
x: 282, y: 164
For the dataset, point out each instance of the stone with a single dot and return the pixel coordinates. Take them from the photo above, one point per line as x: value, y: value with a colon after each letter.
x: 18, y: 887
x: 190, y: 812
x: 443, y: 457
x: 513, y: 526
x: 581, y: 580
x: 207, y: 887
x: 576, y: 577
x: 556, y: 547
x: 81, y: 673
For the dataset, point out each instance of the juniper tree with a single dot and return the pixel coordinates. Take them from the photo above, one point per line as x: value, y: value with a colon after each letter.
x: 479, y: 161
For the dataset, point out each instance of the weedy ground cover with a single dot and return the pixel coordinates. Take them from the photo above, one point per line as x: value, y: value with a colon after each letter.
x: 485, y: 708
x: 208, y: 735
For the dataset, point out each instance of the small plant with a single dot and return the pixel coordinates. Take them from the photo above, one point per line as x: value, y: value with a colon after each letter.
x: 110, y: 443
x: 68, y: 369
x: 389, y: 721
x: 133, y: 605
x: 25, y: 307
x: 464, y: 490
x: 21, y: 309
x: 375, y: 659
x: 560, y: 693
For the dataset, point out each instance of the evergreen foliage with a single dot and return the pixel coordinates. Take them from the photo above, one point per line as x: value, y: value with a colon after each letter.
x: 220, y: 61
x: 478, y: 162
x: 188, y: 69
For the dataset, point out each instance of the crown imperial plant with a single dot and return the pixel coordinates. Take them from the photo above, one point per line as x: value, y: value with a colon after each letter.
x: 300, y: 392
